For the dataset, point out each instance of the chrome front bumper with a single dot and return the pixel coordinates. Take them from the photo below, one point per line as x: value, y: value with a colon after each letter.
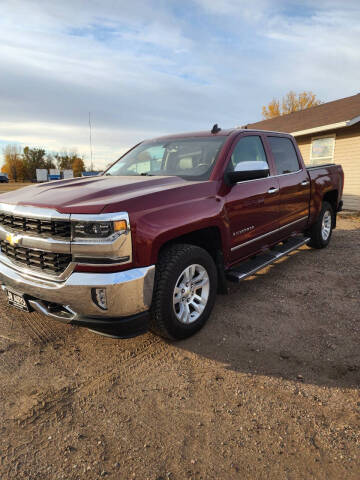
x: 128, y: 293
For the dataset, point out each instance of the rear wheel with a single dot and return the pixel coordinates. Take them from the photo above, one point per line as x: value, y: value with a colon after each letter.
x: 184, y: 291
x: 320, y: 232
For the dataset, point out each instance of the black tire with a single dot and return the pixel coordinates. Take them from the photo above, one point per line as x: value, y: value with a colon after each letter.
x: 172, y: 262
x: 317, y: 239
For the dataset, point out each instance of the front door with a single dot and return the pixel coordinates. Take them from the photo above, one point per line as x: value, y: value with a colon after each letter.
x: 252, y: 206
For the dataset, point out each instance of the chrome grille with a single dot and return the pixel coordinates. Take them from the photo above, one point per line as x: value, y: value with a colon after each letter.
x: 50, y: 262
x: 52, y: 228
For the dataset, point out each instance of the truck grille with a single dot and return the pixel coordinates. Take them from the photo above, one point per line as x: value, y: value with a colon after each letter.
x: 50, y: 262
x: 52, y: 228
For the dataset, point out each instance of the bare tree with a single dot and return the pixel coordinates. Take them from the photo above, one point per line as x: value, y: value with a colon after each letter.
x: 13, y: 164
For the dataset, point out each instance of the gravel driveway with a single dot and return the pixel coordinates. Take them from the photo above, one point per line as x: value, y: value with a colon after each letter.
x: 269, y: 389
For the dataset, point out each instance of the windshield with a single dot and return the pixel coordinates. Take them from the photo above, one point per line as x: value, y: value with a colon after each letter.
x: 189, y: 158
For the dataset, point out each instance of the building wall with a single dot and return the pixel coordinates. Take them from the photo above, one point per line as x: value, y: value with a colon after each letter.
x: 347, y: 154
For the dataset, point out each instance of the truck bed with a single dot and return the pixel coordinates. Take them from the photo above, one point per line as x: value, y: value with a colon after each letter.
x: 325, y: 178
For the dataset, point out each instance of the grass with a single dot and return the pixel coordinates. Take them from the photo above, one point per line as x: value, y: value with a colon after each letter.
x: 8, y: 187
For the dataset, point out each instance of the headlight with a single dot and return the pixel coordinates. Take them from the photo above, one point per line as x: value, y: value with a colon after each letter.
x: 98, y: 230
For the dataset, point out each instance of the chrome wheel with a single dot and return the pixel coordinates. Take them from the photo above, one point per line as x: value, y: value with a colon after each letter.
x: 326, y: 225
x: 191, y: 293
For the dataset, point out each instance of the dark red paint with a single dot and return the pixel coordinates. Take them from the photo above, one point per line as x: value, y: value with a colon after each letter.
x: 164, y: 208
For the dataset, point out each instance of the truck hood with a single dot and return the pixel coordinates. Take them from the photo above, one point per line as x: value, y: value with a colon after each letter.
x: 90, y: 195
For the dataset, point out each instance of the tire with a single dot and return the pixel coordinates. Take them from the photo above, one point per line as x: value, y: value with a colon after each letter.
x: 320, y: 232
x: 176, y: 310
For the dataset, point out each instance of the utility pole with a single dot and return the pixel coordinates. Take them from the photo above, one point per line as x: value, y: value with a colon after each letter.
x: 91, y: 150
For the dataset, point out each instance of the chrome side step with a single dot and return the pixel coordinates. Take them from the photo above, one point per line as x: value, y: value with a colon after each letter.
x: 250, y: 267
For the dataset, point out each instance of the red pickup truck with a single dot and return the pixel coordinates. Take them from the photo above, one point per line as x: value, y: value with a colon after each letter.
x: 149, y: 243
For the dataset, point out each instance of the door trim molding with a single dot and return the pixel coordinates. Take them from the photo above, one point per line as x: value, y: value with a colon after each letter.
x: 267, y: 234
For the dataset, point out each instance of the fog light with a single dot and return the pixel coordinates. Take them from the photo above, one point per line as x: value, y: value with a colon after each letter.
x: 99, y: 297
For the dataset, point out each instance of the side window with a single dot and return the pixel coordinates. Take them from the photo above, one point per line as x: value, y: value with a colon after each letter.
x: 248, y: 149
x: 284, y: 153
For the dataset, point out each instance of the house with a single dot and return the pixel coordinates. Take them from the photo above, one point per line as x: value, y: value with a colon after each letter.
x: 327, y: 133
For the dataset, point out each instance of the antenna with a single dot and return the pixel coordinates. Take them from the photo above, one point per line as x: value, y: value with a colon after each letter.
x: 91, y: 150
x: 215, y: 129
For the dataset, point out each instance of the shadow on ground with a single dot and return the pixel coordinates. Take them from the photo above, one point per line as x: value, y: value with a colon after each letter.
x: 298, y: 319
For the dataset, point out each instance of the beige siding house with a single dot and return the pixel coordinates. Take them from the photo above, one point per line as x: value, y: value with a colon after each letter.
x: 328, y: 133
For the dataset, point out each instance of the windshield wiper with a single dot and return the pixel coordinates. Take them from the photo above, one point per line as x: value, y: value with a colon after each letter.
x: 146, y: 174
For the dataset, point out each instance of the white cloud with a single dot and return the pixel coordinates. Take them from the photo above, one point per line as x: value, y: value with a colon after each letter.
x: 147, y: 68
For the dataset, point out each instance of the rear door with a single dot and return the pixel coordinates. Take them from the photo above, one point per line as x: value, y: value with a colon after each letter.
x: 294, y: 184
x: 252, y: 206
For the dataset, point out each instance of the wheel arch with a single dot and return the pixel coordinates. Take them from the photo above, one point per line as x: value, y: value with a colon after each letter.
x: 208, y: 238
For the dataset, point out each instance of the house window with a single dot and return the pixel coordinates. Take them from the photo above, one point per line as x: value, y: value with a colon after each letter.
x: 322, y: 150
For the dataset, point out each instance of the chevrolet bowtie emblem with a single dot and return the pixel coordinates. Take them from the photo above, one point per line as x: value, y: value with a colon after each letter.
x: 13, y: 239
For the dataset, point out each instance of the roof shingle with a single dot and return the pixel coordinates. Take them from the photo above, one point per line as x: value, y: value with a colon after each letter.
x: 324, y: 114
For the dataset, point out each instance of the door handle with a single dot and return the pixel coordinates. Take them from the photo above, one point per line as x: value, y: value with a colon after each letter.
x: 273, y: 190
x: 305, y: 182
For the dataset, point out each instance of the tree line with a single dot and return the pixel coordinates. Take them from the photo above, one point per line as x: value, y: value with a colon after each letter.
x: 20, y: 164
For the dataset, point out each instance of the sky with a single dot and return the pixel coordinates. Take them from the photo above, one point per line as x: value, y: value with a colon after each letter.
x: 150, y: 68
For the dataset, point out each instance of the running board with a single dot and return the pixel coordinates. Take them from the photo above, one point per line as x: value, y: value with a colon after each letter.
x: 250, y: 267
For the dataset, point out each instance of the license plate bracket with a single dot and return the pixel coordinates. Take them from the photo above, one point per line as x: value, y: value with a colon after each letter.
x: 17, y: 300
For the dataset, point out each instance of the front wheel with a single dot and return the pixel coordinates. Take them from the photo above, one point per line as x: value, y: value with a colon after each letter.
x: 184, y: 292
x: 320, y: 232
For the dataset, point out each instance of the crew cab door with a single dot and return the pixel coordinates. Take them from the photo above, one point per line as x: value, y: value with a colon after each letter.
x: 294, y: 183
x: 252, y: 206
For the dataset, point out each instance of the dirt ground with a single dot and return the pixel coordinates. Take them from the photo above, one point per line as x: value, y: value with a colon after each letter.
x: 269, y: 389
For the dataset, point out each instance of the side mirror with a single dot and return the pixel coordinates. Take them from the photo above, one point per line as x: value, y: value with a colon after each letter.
x: 247, y: 171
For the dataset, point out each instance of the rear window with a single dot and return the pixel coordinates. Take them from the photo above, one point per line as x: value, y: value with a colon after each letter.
x: 284, y: 154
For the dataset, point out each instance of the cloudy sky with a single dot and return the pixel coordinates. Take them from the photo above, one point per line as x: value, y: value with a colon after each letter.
x: 147, y: 68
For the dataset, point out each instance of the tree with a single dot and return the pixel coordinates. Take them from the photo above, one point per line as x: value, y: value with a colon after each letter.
x: 49, y: 162
x: 13, y: 164
x: 78, y: 166
x: 70, y: 161
x: 33, y: 158
x: 63, y: 160
x: 291, y: 102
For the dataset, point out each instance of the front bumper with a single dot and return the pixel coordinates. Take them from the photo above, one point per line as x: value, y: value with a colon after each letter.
x: 129, y: 295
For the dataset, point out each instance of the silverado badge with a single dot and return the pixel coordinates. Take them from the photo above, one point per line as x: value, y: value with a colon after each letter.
x: 13, y: 239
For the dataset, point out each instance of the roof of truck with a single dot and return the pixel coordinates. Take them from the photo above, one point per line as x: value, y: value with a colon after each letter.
x: 207, y: 133
x: 204, y: 133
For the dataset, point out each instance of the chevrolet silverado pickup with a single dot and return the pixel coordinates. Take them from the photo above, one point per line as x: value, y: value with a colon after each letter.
x: 150, y: 242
